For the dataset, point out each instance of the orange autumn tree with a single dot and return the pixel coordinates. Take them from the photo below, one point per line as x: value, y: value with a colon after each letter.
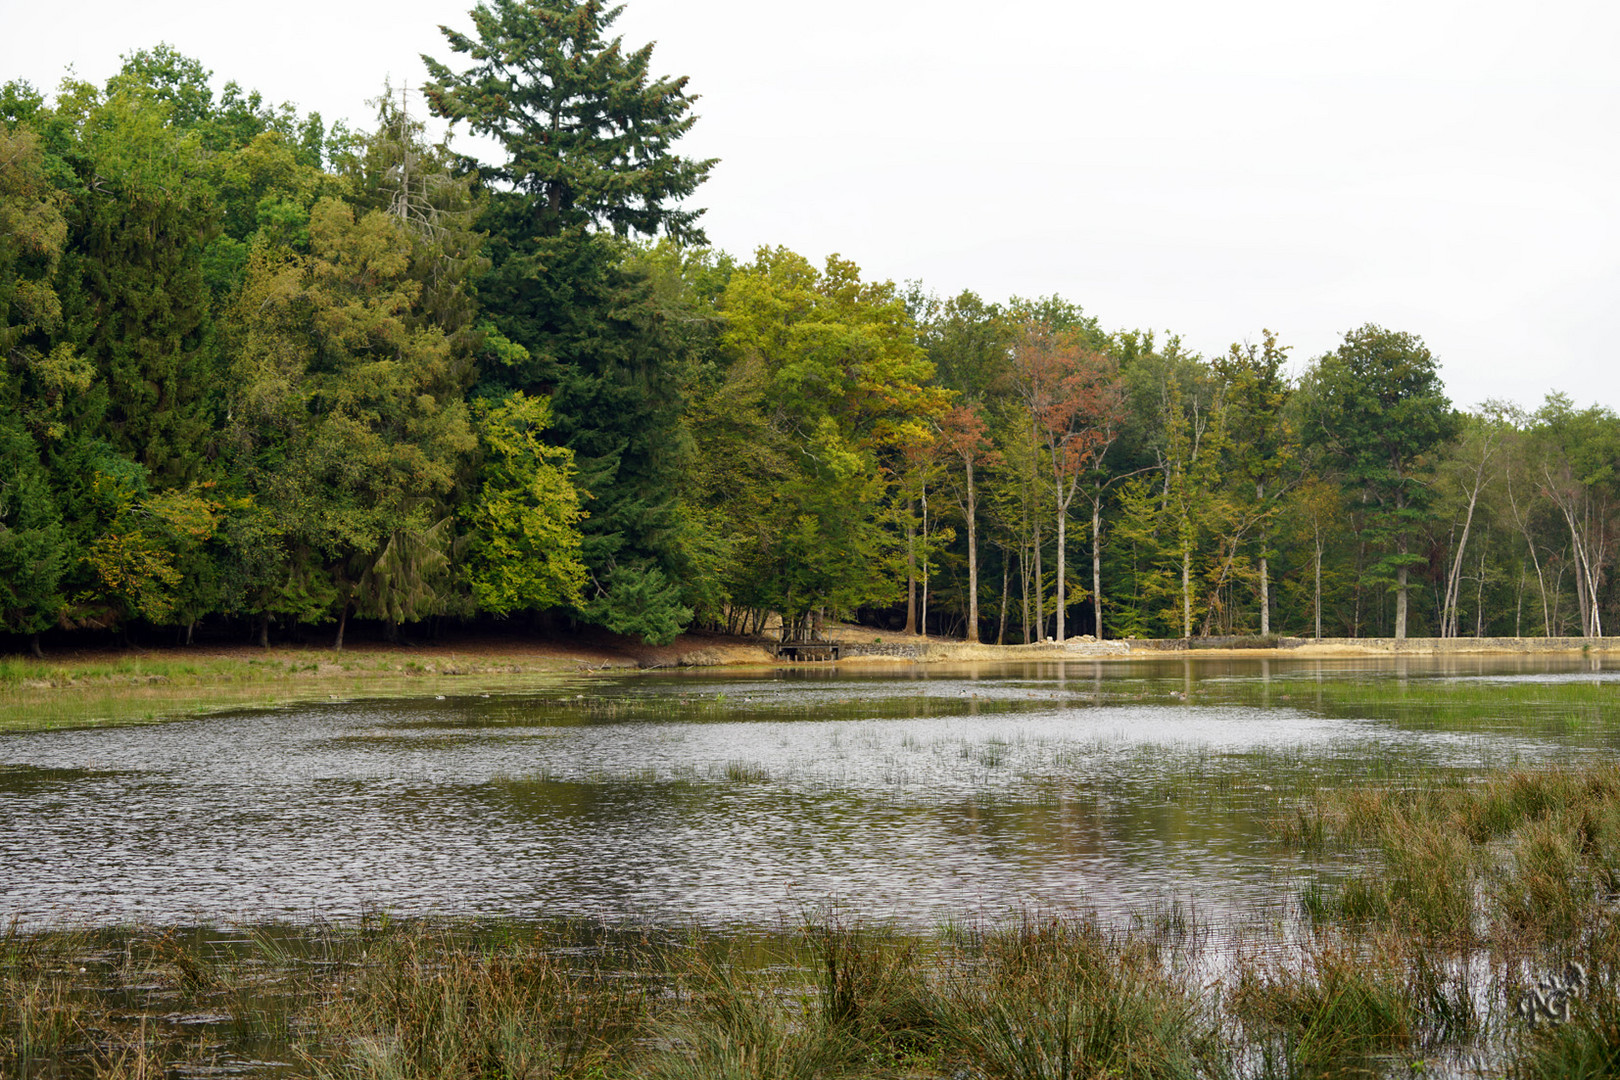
x: 1073, y: 400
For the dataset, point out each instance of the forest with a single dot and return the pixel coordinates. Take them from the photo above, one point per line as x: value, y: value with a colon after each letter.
x: 264, y: 377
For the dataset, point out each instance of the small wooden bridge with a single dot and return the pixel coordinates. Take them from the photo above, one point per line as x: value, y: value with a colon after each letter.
x: 803, y: 651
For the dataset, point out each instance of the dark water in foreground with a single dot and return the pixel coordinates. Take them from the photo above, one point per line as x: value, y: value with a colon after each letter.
x: 921, y: 794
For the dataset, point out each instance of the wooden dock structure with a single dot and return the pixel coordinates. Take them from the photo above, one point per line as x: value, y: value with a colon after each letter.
x: 806, y: 651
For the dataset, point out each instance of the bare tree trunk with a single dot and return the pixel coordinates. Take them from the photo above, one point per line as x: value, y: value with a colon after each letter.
x: 972, y: 634
x: 1096, y: 565
x: 1541, y: 580
x: 1061, y: 601
x: 1581, y: 595
x: 1265, y: 596
x: 264, y: 631
x: 1001, y: 627
x: 33, y: 646
x: 924, y: 615
x: 1318, y: 584
x: 1448, y: 614
x: 911, y: 566
x: 1558, y: 600
x: 1402, y: 544
x: 343, y: 622
x: 1023, y: 587
x: 1265, y: 570
x: 1040, y: 590
x: 1400, y: 600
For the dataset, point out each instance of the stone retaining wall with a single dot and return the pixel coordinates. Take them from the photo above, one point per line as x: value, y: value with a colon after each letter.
x: 1425, y: 645
x: 1462, y: 644
x: 900, y: 651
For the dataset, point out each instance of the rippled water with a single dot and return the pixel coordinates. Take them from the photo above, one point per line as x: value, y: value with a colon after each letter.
x: 916, y: 793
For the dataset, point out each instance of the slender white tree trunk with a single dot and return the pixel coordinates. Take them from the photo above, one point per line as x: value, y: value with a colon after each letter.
x: 1001, y: 628
x: 1040, y: 589
x: 1096, y: 564
x: 1318, y: 585
x: 1061, y: 602
x: 1265, y: 569
x: 911, y: 566
x: 973, y: 561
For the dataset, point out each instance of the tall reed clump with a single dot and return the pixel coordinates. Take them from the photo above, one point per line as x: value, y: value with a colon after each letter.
x: 1059, y: 998
x: 871, y: 985
x: 427, y: 1005
x: 40, y: 1018
x: 1425, y: 881
x: 1540, y: 847
x: 733, y: 1027
x: 1332, y: 1012
x: 39, y: 1021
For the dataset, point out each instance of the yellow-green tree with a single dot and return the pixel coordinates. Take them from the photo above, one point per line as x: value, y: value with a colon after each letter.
x: 348, y: 418
x: 524, y: 525
x: 842, y: 382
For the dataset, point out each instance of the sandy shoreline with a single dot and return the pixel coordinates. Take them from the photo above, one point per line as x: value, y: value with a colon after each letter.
x: 562, y: 653
x: 124, y: 686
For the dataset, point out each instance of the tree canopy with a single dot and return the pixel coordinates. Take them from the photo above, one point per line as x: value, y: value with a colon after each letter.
x: 263, y: 375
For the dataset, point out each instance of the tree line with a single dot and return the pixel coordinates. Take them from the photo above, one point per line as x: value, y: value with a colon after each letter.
x: 265, y: 374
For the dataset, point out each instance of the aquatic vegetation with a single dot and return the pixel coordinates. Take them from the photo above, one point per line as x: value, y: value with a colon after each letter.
x: 1522, y: 852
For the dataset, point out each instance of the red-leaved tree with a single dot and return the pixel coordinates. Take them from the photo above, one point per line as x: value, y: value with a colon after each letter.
x: 1075, y: 402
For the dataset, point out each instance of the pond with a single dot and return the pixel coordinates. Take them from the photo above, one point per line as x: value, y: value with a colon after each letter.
x: 918, y: 794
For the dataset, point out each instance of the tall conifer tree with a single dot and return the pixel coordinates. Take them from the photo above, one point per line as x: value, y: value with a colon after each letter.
x: 588, y: 136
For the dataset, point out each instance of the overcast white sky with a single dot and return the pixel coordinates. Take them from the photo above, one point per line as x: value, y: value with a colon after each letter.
x: 1451, y: 169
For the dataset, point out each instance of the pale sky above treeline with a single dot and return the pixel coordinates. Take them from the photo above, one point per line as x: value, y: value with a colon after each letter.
x: 1444, y: 168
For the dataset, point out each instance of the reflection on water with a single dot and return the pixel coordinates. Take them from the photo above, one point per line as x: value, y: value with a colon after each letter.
x: 916, y: 793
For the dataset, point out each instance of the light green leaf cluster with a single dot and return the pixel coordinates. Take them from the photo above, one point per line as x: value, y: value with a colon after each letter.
x: 525, y: 521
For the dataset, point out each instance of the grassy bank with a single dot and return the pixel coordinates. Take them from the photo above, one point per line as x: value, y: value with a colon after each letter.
x: 86, y: 690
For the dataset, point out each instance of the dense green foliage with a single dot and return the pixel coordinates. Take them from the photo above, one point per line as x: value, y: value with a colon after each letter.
x: 260, y: 373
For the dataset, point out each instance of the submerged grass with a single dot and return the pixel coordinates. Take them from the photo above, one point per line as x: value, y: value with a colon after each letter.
x: 1553, y: 707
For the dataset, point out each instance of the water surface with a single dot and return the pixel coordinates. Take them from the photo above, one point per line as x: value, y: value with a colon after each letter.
x: 920, y: 793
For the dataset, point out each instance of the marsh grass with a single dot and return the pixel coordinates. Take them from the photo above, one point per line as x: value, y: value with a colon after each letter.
x: 746, y: 772
x: 1587, y: 1049
x: 1031, y: 996
x: 1331, y: 1010
x: 1522, y: 852
x: 1055, y: 998
x: 1440, y: 901
x: 432, y: 1004
x: 732, y: 1028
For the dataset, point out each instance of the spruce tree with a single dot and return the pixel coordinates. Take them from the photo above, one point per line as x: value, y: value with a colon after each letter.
x: 588, y: 138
